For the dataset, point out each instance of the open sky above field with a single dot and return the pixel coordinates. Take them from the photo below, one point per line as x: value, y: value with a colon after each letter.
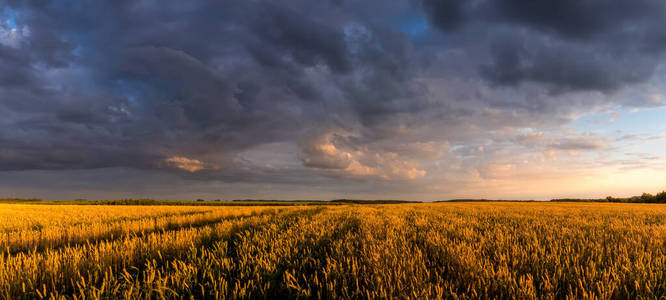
x: 297, y: 99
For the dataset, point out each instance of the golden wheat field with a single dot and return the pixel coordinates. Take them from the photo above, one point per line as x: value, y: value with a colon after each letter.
x: 415, y: 251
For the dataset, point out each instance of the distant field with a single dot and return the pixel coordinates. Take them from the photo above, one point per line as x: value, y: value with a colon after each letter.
x: 440, y: 250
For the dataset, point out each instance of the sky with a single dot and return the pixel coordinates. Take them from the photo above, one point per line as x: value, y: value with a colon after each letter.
x: 297, y: 99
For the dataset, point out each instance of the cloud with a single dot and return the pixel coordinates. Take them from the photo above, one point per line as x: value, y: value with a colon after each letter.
x: 446, y: 15
x: 576, y: 19
x: 564, y: 66
x: 184, y: 163
x: 496, y: 170
x: 577, y: 143
x: 326, y: 156
x: 568, y: 142
x: 204, y: 90
x: 356, y: 161
x: 304, y: 40
x: 566, y: 45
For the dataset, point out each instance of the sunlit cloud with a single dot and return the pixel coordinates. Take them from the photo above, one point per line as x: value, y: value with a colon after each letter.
x: 184, y: 163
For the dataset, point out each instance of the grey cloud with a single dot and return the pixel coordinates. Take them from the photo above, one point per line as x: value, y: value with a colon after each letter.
x: 306, y: 41
x: 576, y: 19
x: 138, y: 94
x: 565, y: 66
x: 572, y: 142
x: 575, y: 144
x: 15, y: 69
x: 565, y: 45
x: 128, y: 84
x: 447, y: 15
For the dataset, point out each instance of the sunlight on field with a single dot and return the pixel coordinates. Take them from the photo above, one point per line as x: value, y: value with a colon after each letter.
x: 445, y: 250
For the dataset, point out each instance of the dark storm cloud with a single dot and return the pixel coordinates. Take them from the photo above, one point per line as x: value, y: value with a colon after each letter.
x: 576, y: 19
x: 446, y: 15
x: 568, y: 18
x: 565, y: 66
x: 187, y: 86
x: 14, y: 69
x: 565, y: 45
x: 304, y: 40
x: 132, y: 83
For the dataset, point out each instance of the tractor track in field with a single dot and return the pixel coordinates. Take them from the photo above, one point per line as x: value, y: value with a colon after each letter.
x: 119, y: 234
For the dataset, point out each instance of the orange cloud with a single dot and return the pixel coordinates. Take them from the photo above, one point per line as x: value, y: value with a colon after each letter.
x: 184, y: 163
x: 329, y: 158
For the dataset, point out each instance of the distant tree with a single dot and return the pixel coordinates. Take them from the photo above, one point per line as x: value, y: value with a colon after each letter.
x: 647, y: 198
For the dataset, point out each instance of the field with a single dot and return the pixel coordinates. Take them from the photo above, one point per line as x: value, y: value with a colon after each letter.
x: 443, y: 250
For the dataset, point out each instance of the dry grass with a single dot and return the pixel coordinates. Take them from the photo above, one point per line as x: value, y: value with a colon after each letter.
x: 447, y: 250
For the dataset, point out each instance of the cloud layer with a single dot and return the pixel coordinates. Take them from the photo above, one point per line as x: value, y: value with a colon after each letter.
x: 422, y: 98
